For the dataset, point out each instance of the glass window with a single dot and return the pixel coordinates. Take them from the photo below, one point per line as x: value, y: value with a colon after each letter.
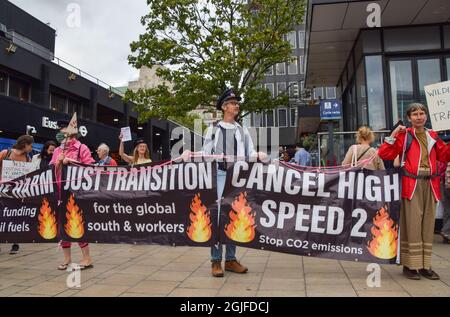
x: 3, y: 83
x: 293, y: 90
x: 58, y: 102
x: 375, y: 93
x: 301, y: 39
x: 281, y: 69
x: 282, y: 118
x: 86, y: 112
x: 318, y: 93
x: 447, y: 36
x: 281, y: 88
x: 292, y: 66
x: 291, y: 37
x: 270, y: 87
x: 331, y: 92
x: 74, y: 106
x: 412, y: 39
x: 302, y: 88
x: 300, y: 63
x: 269, y: 71
x: 447, y: 61
x: 246, y: 119
x: 350, y: 68
x: 293, y: 117
x: 270, y: 117
x: 344, y: 80
x: 19, y: 89
x: 361, y: 100
x: 402, y: 90
x: 429, y: 71
x: 258, y: 120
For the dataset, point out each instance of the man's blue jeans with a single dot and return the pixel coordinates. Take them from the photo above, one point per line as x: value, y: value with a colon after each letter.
x: 217, y: 250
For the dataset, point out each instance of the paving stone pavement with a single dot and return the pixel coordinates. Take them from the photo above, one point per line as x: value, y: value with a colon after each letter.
x: 148, y: 270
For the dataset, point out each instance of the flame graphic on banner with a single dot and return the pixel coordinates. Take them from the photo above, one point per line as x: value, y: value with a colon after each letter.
x: 242, y: 225
x: 75, y: 224
x: 200, y: 228
x: 385, y: 234
x: 47, y: 221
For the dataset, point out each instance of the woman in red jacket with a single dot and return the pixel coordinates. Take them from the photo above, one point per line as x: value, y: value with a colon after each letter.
x: 419, y: 150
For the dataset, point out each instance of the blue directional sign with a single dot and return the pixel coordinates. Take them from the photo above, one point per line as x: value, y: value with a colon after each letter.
x: 330, y: 109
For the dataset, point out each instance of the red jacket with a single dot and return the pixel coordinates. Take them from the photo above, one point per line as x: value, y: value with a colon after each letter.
x: 437, y: 151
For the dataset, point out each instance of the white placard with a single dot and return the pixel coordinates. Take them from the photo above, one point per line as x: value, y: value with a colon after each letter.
x: 13, y: 169
x: 126, y: 134
x: 438, y: 99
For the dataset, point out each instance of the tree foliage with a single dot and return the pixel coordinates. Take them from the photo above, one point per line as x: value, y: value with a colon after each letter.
x: 208, y: 45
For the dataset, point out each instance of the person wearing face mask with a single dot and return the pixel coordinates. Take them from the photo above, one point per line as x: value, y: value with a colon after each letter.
x: 71, y: 150
x: 18, y: 153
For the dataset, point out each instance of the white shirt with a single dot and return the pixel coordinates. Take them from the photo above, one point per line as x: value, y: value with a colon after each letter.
x: 245, y: 146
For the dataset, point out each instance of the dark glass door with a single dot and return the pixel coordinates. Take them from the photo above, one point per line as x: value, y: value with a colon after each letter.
x: 408, y: 77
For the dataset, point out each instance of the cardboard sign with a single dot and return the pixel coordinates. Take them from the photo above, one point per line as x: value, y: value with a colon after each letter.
x: 438, y: 99
x: 12, y: 169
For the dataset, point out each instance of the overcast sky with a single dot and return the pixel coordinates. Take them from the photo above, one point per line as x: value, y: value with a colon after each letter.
x: 100, y: 44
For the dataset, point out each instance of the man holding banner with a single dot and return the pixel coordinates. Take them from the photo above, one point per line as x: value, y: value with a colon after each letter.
x: 230, y: 139
x: 420, y: 149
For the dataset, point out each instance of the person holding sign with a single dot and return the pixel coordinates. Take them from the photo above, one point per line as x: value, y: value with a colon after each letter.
x: 141, y: 154
x: 230, y: 139
x: 19, y: 153
x: 71, y: 150
x: 419, y: 149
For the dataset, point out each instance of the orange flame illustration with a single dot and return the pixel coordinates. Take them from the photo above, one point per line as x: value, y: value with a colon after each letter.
x: 242, y: 225
x: 200, y: 228
x: 75, y: 224
x: 47, y: 221
x: 385, y: 234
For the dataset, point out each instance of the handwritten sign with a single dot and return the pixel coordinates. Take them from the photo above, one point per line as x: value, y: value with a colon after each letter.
x: 12, y: 169
x: 438, y: 99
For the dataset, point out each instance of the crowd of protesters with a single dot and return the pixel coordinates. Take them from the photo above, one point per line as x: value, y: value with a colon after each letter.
x: 422, y: 156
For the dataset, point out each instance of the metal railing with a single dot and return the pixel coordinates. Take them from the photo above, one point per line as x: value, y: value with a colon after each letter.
x: 341, y: 143
x: 44, y: 53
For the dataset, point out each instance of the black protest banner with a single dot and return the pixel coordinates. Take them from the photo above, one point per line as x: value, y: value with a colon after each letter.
x: 28, y: 208
x: 168, y: 204
x: 348, y: 215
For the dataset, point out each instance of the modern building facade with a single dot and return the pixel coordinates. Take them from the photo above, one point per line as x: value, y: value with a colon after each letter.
x: 378, y: 71
x: 301, y: 115
x: 37, y: 89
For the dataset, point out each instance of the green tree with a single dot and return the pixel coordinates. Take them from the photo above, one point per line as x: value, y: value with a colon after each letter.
x: 208, y: 45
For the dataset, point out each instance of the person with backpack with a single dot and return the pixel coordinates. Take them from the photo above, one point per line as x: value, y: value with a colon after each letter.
x: 71, y: 150
x: 230, y: 139
x: 19, y: 153
x: 363, y: 150
x: 419, y: 150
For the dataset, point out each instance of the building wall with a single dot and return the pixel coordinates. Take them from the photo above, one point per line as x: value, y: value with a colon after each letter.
x: 23, y: 23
